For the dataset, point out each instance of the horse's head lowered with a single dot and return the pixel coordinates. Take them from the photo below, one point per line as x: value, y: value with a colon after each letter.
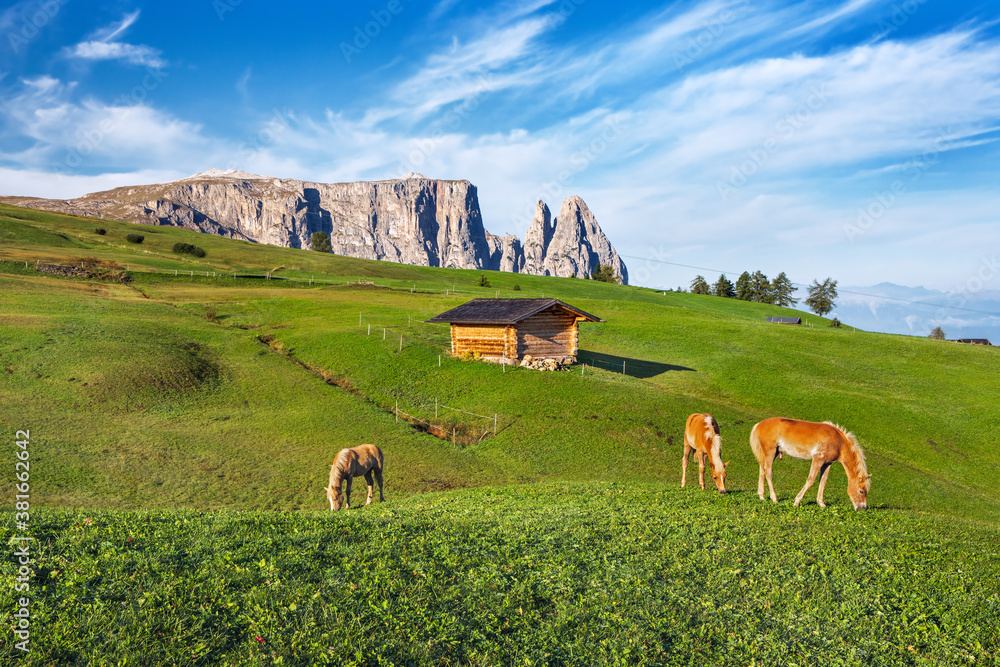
x: 335, y: 496
x: 857, y: 490
x: 719, y: 475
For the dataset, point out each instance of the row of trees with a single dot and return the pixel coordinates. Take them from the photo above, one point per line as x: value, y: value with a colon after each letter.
x: 756, y: 287
x: 749, y: 287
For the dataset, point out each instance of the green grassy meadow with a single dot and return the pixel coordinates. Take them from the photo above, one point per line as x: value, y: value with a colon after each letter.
x: 182, y: 427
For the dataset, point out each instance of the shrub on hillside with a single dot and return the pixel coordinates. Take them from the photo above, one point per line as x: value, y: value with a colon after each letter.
x: 320, y: 242
x: 605, y: 273
x: 484, y: 281
x: 135, y: 238
x: 100, y: 231
x: 188, y: 249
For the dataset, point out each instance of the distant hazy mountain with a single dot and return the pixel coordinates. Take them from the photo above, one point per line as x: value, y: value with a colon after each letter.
x: 916, y: 310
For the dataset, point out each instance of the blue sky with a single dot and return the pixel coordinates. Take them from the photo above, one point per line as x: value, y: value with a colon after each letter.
x: 852, y: 139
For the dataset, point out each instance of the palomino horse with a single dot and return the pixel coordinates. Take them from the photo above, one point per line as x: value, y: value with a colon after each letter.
x: 701, y: 435
x: 360, y: 460
x: 825, y: 443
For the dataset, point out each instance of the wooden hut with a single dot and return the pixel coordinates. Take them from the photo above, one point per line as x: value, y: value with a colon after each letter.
x: 505, y: 330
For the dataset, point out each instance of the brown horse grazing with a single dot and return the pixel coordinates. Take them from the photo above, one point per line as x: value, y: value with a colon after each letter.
x: 825, y: 443
x: 701, y: 435
x: 360, y: 460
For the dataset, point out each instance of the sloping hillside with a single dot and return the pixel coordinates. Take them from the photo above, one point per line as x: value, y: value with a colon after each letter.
x: 215, y: 391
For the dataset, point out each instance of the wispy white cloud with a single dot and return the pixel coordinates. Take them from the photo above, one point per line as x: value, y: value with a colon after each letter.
x: 102, y: 47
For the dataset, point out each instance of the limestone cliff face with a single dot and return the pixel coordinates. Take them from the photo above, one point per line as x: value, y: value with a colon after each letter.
x: 536, y: 240
x: 412, y: 220
x: 578, y: 245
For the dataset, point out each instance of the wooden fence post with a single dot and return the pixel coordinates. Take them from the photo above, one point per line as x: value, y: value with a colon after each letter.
x: 400, y: 343
x: 397, y: 410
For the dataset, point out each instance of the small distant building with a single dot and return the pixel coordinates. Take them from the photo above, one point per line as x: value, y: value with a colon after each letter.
x: 785, y: 320
x: 972, y: 341
x: 505, y: 330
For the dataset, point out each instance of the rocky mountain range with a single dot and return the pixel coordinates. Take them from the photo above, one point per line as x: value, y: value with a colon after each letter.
x: 410, y: 220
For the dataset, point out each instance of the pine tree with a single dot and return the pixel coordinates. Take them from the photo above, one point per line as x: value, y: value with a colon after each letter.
x: 605, y: 273
x: 723, y: 287
x: 699, y: 286
x: 822, y: 296
x: 782, y: 290
x: 743, y: 292
x: 760, y: 288
x: 320, y: 242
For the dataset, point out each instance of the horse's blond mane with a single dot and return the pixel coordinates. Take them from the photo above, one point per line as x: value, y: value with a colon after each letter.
x: 715, y: 447
x: 860, y: 468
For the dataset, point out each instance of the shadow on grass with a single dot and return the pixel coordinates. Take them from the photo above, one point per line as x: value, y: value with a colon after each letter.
x: 637, y: 368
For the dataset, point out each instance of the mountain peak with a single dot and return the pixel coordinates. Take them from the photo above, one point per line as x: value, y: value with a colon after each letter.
x: 234, y: 174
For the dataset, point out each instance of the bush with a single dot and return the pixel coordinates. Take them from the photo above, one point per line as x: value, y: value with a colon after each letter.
x: 605, y: 273
x: 320, y: 242
x: 835, y: 323
x: 100, y: 231
x: 188, y: 249
x: 517, y: 287
x: 484, y: 281
x: 135, y: 238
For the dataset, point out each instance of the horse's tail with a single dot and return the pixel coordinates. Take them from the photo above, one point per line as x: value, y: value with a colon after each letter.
x: 755, y: 445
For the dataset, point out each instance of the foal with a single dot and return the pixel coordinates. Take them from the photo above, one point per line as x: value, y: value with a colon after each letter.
x: 824, y: 443
x: 360, y: 460
x: 701, y: 436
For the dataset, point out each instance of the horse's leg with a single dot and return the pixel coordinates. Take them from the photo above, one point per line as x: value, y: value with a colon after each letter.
x: 701, y: 469
x: 813, y: 471
x: 768, y: 470
x: 760, y: 475
x: 378, y: 478
x: 347, y: 497
x: 684, y: 463
x: 822, y: 483
x: 371, y: 487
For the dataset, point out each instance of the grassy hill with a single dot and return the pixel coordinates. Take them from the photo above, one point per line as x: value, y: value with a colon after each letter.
x: 217, y: 391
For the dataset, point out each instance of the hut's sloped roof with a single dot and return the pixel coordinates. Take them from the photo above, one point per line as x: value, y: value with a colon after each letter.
x: 504, y: 311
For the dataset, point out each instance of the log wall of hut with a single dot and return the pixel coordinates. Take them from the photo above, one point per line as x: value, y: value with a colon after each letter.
x: 490, y: 341
x: 550, y: 333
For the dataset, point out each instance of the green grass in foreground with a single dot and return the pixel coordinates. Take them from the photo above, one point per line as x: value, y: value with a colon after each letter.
x: 593, y: 574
